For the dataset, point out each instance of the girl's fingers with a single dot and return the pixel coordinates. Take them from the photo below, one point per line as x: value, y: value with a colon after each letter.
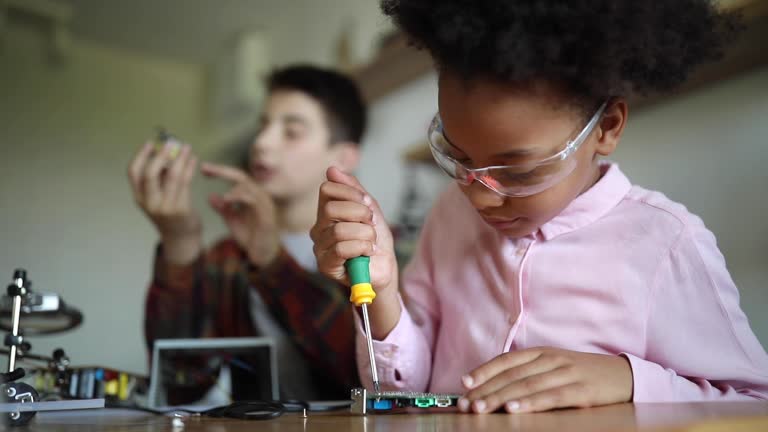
x: 344, y: 250
x: 524, y: 388
x: 341, y: 211
x: 504, y: 378
x: 571, y: 395
x: 343, y: 231
x: 335, y: 175
x: 495, y: 366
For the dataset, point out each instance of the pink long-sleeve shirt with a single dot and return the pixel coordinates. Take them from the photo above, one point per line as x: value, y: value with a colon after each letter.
x: 622, y: 270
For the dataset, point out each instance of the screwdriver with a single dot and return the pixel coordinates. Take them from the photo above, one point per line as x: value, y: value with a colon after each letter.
x: 362, y: 295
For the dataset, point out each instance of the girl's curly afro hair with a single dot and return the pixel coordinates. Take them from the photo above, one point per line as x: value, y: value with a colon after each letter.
x: 595, y: 48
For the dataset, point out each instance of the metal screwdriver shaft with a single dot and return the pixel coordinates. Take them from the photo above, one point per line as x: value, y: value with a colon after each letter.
x: 369, y: 339
x: 362, y: 295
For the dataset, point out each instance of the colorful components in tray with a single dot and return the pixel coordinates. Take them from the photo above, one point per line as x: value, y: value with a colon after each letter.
x: 87, y: 383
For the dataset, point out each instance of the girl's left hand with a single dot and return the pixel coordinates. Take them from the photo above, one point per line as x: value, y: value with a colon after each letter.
x: 540, y: 379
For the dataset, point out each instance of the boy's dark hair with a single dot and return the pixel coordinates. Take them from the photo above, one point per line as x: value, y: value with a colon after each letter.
x: 594, y: 48
x: 337, y: 94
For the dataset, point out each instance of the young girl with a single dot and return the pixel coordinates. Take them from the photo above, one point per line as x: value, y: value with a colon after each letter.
x: 544, y: 278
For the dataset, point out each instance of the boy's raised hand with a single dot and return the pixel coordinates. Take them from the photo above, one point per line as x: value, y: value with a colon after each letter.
x: 350, y: 224
x: 248, y: 211
x: 540, y: 379
x: 161, y: 183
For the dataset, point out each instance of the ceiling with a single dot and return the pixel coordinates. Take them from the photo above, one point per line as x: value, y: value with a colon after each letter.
x: 196, y: 30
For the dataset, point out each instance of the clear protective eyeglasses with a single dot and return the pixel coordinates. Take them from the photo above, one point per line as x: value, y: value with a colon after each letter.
x: 518, y: 180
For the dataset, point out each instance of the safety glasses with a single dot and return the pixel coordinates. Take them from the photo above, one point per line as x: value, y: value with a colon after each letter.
x: 511, y: 180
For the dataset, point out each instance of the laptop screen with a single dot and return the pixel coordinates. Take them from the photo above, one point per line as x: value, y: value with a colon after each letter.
x: 208, y: 372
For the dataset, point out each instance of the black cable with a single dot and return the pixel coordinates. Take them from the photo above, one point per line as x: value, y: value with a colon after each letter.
x: 293, y: 405
x: 245, y: 410
x: 248, y: 410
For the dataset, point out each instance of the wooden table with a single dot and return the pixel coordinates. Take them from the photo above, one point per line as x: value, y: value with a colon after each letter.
x: 696, y: 417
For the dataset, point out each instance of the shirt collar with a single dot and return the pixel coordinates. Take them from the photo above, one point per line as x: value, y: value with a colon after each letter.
x: 593, y: 204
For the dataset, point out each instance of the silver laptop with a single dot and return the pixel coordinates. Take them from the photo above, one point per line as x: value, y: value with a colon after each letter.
x: 224, y: 362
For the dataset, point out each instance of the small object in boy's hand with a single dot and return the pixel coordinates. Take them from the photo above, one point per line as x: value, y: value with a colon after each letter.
x: 164, y: 138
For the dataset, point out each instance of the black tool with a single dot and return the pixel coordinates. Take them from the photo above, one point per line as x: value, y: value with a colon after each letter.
x: 11, y: 391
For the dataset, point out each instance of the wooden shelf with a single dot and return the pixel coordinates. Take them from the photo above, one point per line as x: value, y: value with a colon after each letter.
x: 396, y: 64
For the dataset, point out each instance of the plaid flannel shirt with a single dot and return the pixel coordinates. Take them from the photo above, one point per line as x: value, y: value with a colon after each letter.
x: 210, y: 298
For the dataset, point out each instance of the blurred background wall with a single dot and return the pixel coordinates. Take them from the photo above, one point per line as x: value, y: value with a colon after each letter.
x: 71, y: 120
x: 84, y: 82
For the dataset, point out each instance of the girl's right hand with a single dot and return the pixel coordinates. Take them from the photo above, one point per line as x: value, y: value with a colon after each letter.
x: 161, y: 188
x: 349, y: 224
